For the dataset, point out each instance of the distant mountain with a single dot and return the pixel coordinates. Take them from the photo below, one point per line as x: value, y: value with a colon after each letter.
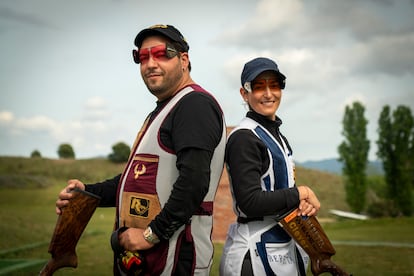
x: 334, y: 166
x: 326, y: 165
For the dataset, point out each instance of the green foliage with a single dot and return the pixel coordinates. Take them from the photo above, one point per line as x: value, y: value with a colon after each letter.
x: 353, y: 154
x: 65, y: 151
x: 377, y: 206
x: 396, y: 150
x: 378, y: 203
x: 120, y: 153
x: 35, y: 154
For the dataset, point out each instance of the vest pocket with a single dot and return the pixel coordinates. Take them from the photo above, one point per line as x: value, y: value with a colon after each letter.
x: 281, y: 258
x: 276, y: 251
x: 142, y: 174
x: 139, y: 202
x: 138, y: 209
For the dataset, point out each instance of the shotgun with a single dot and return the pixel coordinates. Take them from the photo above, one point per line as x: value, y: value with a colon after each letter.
x: 69, y: 227
x: 308, y: 233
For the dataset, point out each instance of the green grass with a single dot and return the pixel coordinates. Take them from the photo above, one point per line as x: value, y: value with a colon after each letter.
x: 29, y: 188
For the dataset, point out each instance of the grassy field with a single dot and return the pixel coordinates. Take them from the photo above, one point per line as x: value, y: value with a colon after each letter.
x: 28, y: 190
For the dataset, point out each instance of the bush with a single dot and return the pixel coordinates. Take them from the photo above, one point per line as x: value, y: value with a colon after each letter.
x: 35, y: 154
x: 120, y: 153
x: 383, y: 208
x: 65, y: 151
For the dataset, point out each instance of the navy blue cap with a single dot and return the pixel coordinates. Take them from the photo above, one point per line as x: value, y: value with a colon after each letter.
x: 257, y: 66
x: 168, y: 31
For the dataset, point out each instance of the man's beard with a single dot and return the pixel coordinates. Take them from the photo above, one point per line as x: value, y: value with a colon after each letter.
x: 156, y: 89
x: 167, y: 83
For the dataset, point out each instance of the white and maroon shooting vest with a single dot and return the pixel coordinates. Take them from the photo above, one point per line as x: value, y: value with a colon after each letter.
x: 147, y: 182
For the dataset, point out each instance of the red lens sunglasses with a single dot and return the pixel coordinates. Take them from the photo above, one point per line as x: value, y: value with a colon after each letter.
x: 159, y: 53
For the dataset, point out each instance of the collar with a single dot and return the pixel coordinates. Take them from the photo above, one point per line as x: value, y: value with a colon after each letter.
x: 268, y: 124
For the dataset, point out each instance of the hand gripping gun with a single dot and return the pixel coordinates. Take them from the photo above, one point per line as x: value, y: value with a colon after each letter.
x: 308, y: 233
x: 69, y: 227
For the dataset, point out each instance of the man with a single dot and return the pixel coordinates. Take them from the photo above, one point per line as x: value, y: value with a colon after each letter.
x: 164, y: 197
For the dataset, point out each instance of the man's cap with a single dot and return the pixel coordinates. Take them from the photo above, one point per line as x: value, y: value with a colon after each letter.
x: 257, y: 66
x: 168, y: 31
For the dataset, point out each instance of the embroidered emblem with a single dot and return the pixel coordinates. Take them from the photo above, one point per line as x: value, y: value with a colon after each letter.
x: 139, y: 207
x: 138, y: 171
x: 158, y: 26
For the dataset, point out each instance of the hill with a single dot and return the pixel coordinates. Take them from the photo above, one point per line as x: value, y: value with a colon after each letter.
x: 332, y: 165
x: 21, y: 173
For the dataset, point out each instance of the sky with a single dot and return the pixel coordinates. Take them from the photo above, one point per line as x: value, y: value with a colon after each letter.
x: 67, y: 74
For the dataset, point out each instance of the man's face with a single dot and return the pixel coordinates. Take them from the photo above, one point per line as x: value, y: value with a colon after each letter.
x: 266, y: 94
x: 162, y: 75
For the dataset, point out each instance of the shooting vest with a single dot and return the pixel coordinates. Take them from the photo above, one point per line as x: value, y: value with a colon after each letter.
x: 272, y: 250
x: 146, y: 185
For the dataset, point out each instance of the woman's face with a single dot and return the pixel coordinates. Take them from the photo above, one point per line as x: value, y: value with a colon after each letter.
x: 265, y: 96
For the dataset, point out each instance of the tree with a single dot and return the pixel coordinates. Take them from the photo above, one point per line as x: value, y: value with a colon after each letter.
x: 35, y: 154
x: 353, y: 154
x: 120, y: 153
x: 65, y: 151
x: 395, y: 149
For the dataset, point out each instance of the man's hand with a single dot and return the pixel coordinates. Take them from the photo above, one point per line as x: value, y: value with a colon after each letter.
x: 66, y: 194
x: 132, y: 239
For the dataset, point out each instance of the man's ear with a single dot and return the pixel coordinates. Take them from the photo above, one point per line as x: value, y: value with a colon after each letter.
x: 184, y: 60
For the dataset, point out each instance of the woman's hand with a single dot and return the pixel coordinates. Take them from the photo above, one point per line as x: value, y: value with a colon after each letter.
x: 309, y: 204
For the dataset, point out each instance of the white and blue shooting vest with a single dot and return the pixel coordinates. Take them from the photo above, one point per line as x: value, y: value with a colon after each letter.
x: 272, y: 251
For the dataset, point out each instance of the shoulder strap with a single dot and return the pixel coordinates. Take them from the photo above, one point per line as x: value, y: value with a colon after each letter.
x: 279, y: 164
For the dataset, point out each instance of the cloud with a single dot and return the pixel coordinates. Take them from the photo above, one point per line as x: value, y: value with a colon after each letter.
x: 93, y: 118
x: 269, y: 21
x: 19, y: 126
x: 36, y: 123
x: 84, y: 135
x: 11, y: 15
x: 95, y: 102
x: 96, y: 110
x: 6, y: 117
x: 392, y: 55
x: 362, y: 38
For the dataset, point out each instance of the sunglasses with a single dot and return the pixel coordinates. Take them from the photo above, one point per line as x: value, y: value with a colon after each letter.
x: 260, y: 85
x: 162, y: 52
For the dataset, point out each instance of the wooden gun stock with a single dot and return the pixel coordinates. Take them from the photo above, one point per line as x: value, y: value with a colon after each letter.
x: 69, y: 227
x: 308, y: 233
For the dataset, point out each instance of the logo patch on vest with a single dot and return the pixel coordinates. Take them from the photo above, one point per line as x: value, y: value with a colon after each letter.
x: 139, y: 207
x: 139, y: 169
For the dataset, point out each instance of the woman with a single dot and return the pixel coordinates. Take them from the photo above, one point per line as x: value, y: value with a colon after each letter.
x: 261, y: 173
